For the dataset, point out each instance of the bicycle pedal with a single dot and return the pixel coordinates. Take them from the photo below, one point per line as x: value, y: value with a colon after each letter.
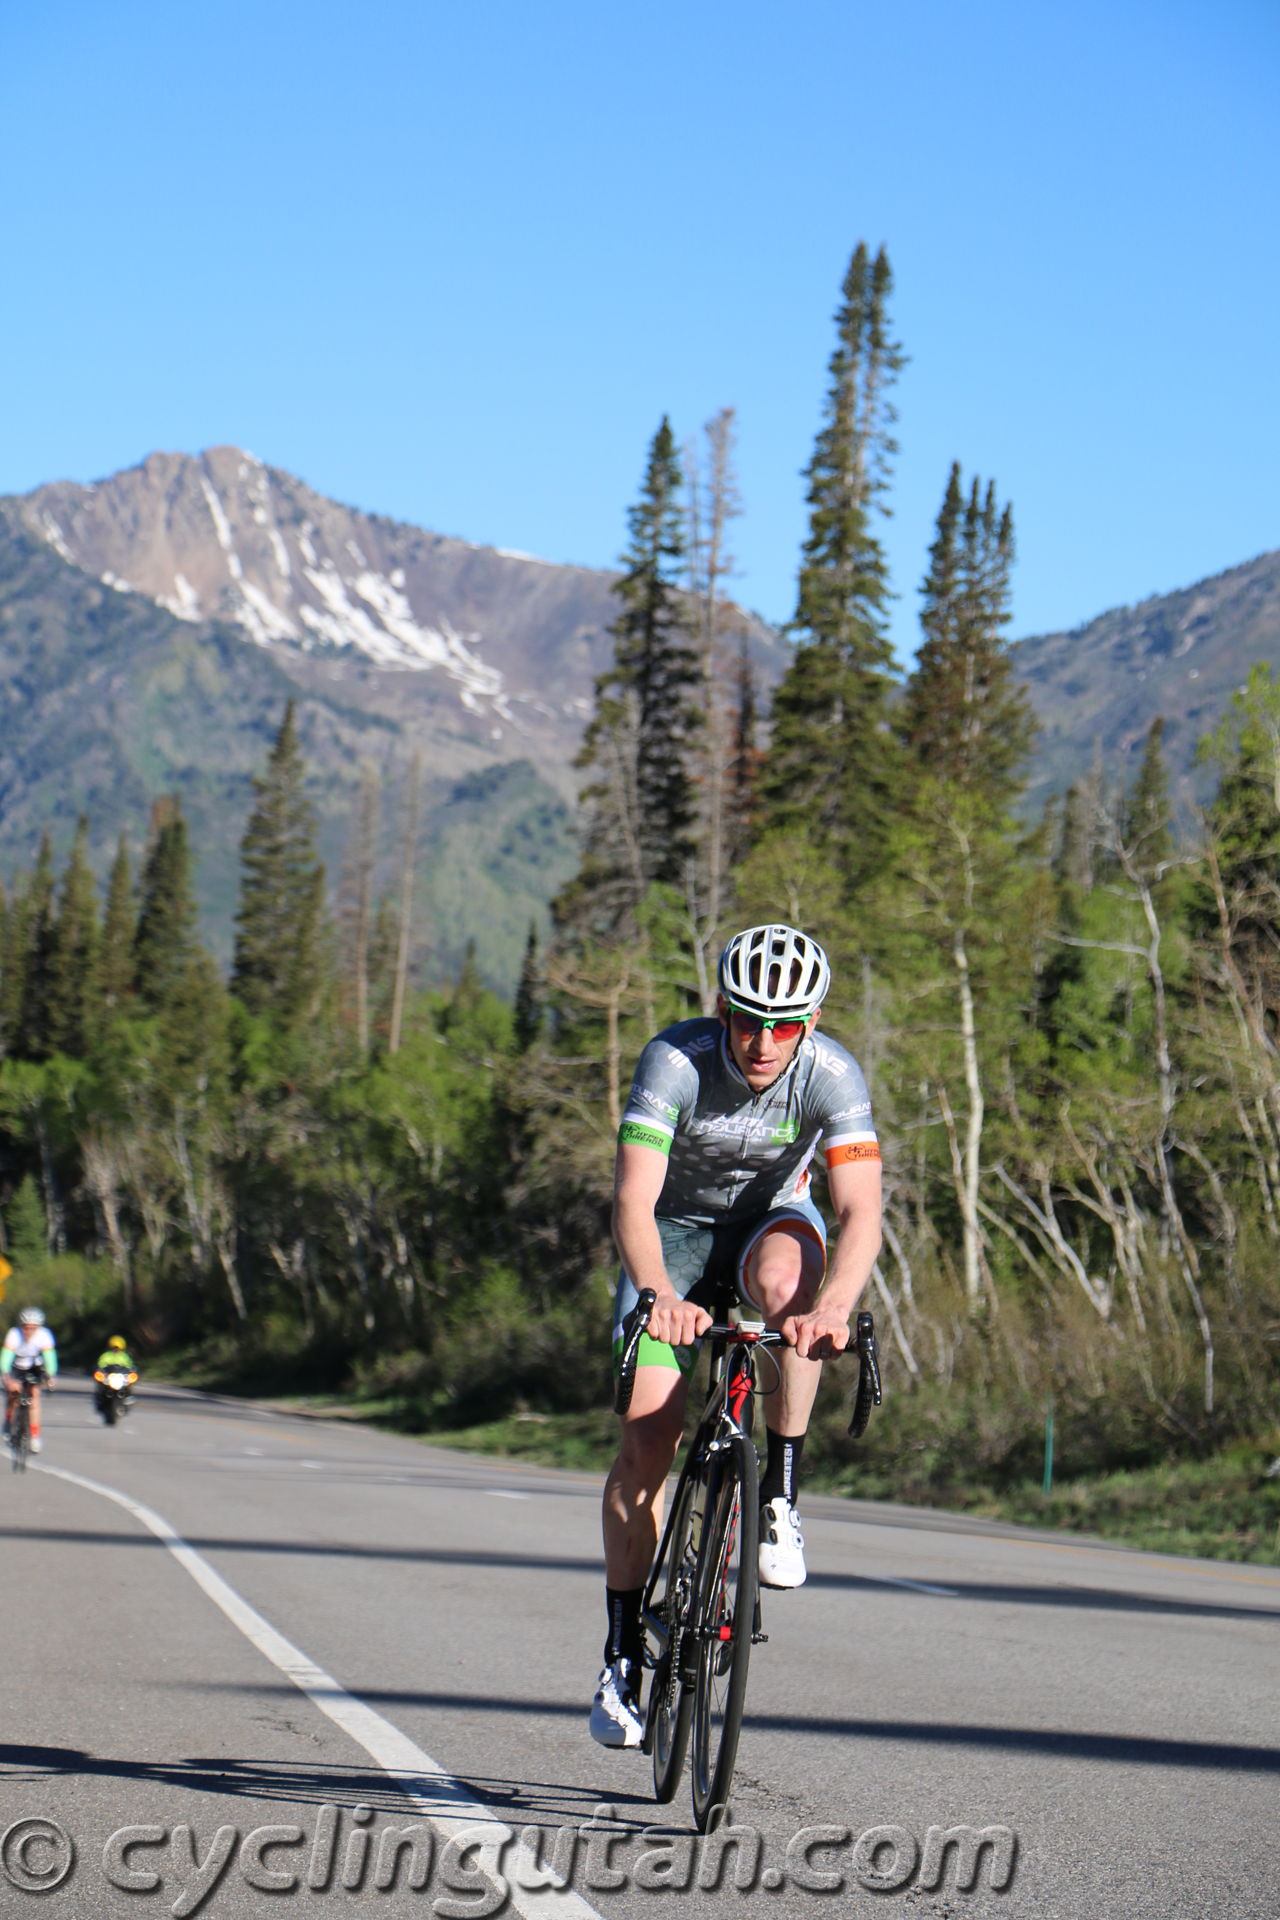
x: 757, y: 1638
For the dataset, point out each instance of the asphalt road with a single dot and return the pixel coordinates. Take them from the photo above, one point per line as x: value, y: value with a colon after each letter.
x: 1117, y: 1712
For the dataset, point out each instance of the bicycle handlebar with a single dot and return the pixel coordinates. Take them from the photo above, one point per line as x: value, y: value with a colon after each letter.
x: 633, y: 1326
x: 870, y: 1389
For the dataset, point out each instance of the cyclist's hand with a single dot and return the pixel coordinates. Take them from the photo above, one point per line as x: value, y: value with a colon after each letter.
x: 816, y: 1335
x: 676, y: 1321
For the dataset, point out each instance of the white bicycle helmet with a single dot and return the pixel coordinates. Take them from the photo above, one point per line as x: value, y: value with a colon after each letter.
x: 31, y: 1317
x: 774, y: 971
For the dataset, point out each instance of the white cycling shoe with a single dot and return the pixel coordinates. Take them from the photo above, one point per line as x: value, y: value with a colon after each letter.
x: 615, y: 1711
x: 781, y: 1545
x: 37, y: 1443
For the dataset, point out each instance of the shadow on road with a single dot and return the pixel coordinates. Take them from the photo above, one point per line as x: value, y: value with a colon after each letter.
x: 1073, y: 1599
x: 1119, y: 1748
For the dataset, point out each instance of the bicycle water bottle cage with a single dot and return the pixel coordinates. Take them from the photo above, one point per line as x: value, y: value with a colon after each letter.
x: 870, y: 1391
x: 633, y: 1328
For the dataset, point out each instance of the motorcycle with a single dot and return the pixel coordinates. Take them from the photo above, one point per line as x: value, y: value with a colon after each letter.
x: 112, y: 1396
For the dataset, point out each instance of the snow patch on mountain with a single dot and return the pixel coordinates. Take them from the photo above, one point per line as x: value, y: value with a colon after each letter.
x: 184, y: 601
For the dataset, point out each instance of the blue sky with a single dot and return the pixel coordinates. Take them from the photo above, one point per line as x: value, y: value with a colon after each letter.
x: 452, y: 264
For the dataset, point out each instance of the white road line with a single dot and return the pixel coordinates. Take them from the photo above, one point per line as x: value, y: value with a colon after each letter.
x: 504, y: 1493
x: 917, y: 1586
x: 444, y: 1800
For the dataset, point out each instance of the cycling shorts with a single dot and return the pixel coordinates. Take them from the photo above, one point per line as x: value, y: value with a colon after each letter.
x: 704, y: 1261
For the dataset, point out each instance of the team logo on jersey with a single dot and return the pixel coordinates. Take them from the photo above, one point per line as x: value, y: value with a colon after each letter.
x: 786, y: 1133
x: 652, y: 1099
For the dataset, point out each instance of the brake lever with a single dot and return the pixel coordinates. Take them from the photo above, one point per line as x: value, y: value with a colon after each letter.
x: 870, y: 1389
x: 633, y: 1327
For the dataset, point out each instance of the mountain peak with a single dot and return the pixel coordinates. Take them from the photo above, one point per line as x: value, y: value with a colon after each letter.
x: 222, y: 536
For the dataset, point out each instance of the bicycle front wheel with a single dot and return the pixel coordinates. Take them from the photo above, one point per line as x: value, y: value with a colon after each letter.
x: 673, y: 1678
x: 725, y: 1607
x: 18, y: 1438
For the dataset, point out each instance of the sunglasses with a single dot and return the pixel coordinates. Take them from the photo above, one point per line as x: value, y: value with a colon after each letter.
x: 747, y: 1025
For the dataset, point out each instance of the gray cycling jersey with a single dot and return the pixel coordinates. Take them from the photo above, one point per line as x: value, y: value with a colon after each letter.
x: 732, y: 1152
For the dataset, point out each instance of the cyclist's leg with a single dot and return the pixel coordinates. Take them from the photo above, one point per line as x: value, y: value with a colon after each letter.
x: 651, y: 1428
x: 636, y: 1486
x: 781, y: 1269
x: 35, y: 1413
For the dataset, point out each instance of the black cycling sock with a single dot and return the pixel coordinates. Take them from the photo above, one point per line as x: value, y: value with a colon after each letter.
x: 623, y: 1641
x: 782, y: 1467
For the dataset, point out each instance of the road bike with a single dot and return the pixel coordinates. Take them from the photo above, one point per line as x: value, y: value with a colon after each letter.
x: 701, y: 1611
x: 20, y: 1421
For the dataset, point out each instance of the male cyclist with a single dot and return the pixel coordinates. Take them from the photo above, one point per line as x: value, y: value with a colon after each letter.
x: 712, y: 1183
x: 28, y: 1353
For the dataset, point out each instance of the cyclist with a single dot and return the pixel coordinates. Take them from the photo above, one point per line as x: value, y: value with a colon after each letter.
x: 712, y: 1182
x: 28, y: 1353
x: 116, y: 1359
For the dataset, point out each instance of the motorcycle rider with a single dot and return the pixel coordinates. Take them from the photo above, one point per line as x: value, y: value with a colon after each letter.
x: 115, y: 1359
x: 29, y: 1351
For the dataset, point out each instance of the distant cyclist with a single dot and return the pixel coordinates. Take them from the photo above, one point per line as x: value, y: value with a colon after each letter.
x: 711, y: 1184
x: 28, y: 1353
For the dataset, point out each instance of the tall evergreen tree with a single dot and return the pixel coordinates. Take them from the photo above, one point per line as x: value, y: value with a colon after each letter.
x: 278, y: 961
x: 31, y: 1039
x: 164, y: 941
x: 73, y: 970
x: 13, y: 964
x: 965, y: 716
x: 115, y: 950
x: 831, y: 769
x: 1148, y: 815
x: 639, y: 808
x: 527, y: 1012
x: 744, y: 770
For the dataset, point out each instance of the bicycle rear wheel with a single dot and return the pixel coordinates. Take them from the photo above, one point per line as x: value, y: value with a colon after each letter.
x: 673, y: 1677
x: 724, y: 1613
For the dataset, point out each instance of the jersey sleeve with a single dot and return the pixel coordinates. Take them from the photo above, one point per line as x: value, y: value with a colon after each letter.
x: 665, y: 1088
x: 842, y: 1106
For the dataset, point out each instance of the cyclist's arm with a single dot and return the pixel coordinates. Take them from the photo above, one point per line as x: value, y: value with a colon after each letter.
x: 854, y: 1187
x: 639, y: 1173
x: 6, y: 1358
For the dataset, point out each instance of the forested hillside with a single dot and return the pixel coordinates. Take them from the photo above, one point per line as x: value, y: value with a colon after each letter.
x: 1068, y: 1025
x: 1178, y: 655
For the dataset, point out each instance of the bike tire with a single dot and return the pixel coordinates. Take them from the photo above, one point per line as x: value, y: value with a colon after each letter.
x: 728, y: 1586
x: 111, y: 1412
x: 673, y: 1711
x: 18, y: 1438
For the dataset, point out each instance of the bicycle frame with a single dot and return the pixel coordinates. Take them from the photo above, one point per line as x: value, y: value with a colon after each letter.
x: 722, y: 1420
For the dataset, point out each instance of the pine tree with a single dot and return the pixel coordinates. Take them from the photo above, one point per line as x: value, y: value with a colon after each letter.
x: 31, y: 1039
x: 832, y: 770
x: 277, y: 967
x: 164, y: 941
x: 115, y: 951
x: 1148, y: 815
x: 527, y: 1012
x: 639, y: 809
x: 73, y: 970
x: 13, y: 964
x: 744, y: 771
x: 966, y: 718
